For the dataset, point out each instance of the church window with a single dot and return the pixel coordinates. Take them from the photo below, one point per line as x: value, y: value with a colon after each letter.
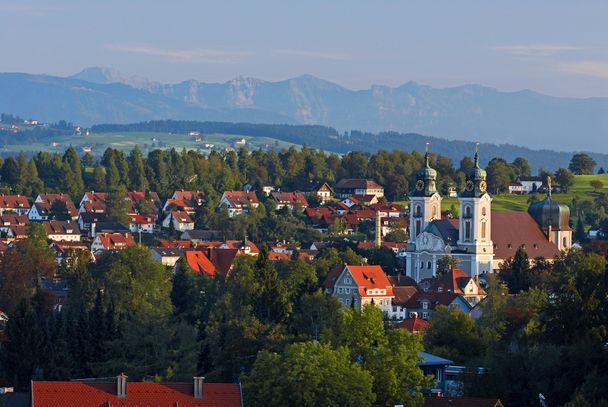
x: 565, y: 242
x: 467, y: 211
x: 421, y: 264
x: 418, y: 226
x: 428, y: 265
x: 483, y: 230
x: 418, y: 210
x: 467, y: 230
x: 434, y: 212
x: 483, y: 211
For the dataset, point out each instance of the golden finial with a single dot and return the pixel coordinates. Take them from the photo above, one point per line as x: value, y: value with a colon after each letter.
x: 549, y: 184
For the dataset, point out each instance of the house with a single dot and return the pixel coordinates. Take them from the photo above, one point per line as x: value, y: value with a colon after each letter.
x: 198, y: 261
x: 458, y: 282
x: 142, y: 223
x: 16, y: 232
x: 402, y: 296
x: 267, y: 189
x: 422, y: 304
x: 350, y: 186
x: 14, y: 203
x: 62, y: 230
x: 180, y: 220
x: 238, y: 202
x: 87, y: 222
x: 105, y: 242
x: 245, y: 246
x: 414, y: 325
x: 95, y: 393
x: 516, y: 188
x: 198, y: 236
x: 187, y: 201
x: 11, y: 219
x: 321, y: 190
x: 139, y: 202
x: 361, y: 285
x: 289, y: 200
x: 167, y: 256
x: 529, y: 184
x: 41, y: 209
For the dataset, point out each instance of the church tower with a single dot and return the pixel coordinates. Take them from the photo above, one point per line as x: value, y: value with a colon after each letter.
x: 425, y: 201
x: 553, y: 219
x: 475, y: 225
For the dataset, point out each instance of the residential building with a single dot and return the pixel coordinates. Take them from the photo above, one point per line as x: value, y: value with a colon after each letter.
x: 414, y: 325
x: 167, y: 256
x: 181, y: 221
x: 62, y: 230
x: 238, y: 202
x: 362, y: 285
x: 14, y: 203
x: 41, y: 209
x: 347, y: 187
x: 142, y: 224
x: 66, y: 250
x: 321, y: 190
x: 95, y: 393
x: 458, y: 282
x: 187, y: 201
x: 422, y: 303
x: 528, y: 184
x: 434, y: 366
x: 105, y: 242
x: 289, y: 200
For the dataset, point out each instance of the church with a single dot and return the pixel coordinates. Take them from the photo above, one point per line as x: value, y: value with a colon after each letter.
x: 480, y: 239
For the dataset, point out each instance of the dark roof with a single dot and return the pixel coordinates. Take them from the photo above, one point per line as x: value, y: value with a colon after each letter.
x: 403, y: 294
x: 529, y: 179
x: 444, y: 228
x: 460, y: 402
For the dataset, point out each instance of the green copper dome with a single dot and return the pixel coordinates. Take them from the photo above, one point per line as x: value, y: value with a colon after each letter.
x: 475, y: 184
x: 426, y: 180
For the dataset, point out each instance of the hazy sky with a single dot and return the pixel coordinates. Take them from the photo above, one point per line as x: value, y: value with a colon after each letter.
x: 555, y: 47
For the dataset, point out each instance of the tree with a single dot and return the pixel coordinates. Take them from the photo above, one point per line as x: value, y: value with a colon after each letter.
x: 452, y: 334
x: 59, y: 210
x: 579, y: 232
x: 500, y: 174
x: 445, y: 264
x: 308, y: 374
x: 515, y: 271
x: 521, y: 167
x: 117, y: 206
x: 564, y: 178
x: 582, y: 164
x: 596, y: 184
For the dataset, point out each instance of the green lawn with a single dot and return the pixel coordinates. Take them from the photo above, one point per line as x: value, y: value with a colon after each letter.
x: 146, y: 141
x: 509, y: 202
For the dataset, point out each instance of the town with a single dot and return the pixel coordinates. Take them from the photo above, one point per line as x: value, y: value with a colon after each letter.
x: 224, y: 270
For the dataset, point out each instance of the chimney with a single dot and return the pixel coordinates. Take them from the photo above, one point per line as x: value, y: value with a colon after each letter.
x: 121, y: 386
x: 198, y: 388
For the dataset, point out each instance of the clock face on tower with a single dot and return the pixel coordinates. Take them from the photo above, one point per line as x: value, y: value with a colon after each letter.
x: 419, y: 185
x: 483, y: 186
x: 469, y: 186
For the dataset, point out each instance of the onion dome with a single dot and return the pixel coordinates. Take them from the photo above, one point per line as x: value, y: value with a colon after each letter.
x: 426, y: 179
x: 549, y: 213
x: 475, y: 183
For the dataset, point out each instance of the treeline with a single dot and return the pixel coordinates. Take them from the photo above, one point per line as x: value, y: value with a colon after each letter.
x: 549, y: 336
x: 127, y: 312
x: 330, y: 139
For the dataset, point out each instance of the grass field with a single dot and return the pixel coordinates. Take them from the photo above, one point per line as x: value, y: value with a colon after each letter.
x: 146, y: 142
x: 509, y: 202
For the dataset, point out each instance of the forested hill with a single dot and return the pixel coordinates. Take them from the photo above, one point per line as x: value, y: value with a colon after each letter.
x: 330, y: 139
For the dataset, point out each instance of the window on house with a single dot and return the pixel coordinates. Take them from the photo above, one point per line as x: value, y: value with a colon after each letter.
x: 425, y: 315
x: 347, y: 290
x: 346, y: 280
x: 348, y: 301
x: 340, y: 290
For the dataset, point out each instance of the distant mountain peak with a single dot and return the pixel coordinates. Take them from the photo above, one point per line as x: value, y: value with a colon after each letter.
x: 105, y: 75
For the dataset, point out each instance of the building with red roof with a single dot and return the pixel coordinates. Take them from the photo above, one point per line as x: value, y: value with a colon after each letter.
x: 119, y: 393
x: 14, y: 203
x: 62, y: 230
x: 41, y: 209
x: 289, y: 200
x: 362, y: 285
x: 105, y: 242
x: 188, y: 201
x: 349, y: 186
x: 458, y: 282
x: 414, y: 325
x: 181, y: 221
x: 238, y: 202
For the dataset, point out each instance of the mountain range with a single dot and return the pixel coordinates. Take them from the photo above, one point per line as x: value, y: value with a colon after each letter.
x: 468, y: 112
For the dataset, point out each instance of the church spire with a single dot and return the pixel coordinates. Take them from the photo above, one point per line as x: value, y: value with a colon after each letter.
x: 426, y: 156
x: 476, y: 155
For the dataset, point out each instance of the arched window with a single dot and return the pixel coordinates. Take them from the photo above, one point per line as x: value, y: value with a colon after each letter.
x: 483, y: 230
x: 467, y: 211
x: 429, y: 265
x: 483, y: 211
x: 418, y: 211
x: 418, y: 226
x: 565, y: 242
x: 467, y: 230
x: 434, y: 212
x: 421, y: 265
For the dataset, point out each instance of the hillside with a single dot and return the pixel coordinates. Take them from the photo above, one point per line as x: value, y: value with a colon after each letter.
x: 469, y: 112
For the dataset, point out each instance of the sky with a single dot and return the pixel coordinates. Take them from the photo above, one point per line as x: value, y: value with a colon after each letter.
x: 551, y: 46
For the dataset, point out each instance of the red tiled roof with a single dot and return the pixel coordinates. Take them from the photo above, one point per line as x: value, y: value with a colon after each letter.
x: 95, y: 394
x: 370, y: 278
x: 453, y: 281
x: 113, y: 241
x: 290, y: 198
x: 403, y: 294
x: 238, y: 244
x: 175, y: 244
x: 58, y: 227
x: 181, y: 216
x: 276, y: 256
x: 200, y: 263
x: 9, y: 219
x: 45, y: 202
x: 14, y: 202
x: 414, y: 325
x: 332, y: 276
x: 402, y: 281
x: 433, y: 297
x: 513, y: 229
x: 241, y: 198
x: 142, y: 219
